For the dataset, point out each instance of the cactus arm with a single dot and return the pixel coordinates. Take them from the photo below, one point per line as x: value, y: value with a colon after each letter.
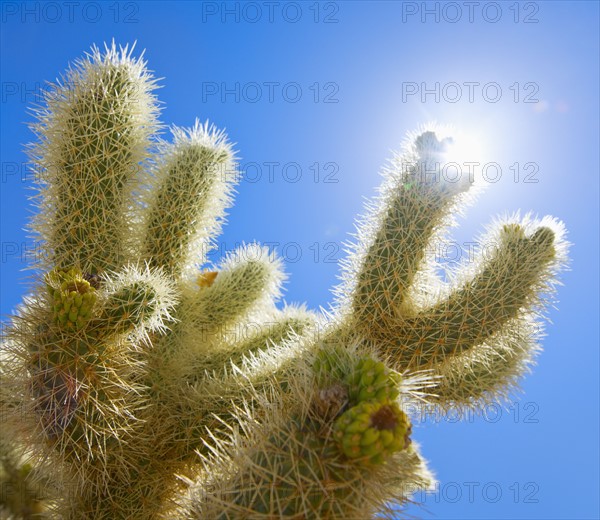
x: 248, y: 281
x: 414, y: 204
x: 93, y: 138
x: 84, y: 402
x: 212, y: 308
x: 135, y: 299
x: 191, y: 189
x: 290, y: 472
x: 514, y: 277
x: 216, y: 381
x: 243, y: 345
x: 488, y: 372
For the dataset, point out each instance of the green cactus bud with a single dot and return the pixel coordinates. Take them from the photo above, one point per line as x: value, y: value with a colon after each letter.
x: 73, y: 298
x: 371, y: 431
x: 372, y: 380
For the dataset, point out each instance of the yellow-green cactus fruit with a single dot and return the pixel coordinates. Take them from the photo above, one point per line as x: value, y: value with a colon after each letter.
x: 73, y: 298
x: 372, y: 380
x: 371, y: 431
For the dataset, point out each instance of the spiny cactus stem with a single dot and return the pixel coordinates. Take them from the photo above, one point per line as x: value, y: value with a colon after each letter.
x: 508, y: 282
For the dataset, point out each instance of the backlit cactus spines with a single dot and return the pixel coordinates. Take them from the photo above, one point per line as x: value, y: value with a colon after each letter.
x: 94, y: 134
x: 136, y: 298
x: 192, y: 187
x: 290, y: 461
x: 252, y: 274
x: 476, y: 310
x: 414, y: 204
x: 243, y: 344
x: 156, y: 386
x: 490, y: 371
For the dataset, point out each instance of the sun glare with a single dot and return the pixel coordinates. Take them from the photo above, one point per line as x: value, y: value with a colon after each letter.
x: 465, y: 149
x: 465, y: 156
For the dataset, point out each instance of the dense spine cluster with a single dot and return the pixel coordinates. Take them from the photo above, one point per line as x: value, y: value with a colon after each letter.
x: 141, y: 382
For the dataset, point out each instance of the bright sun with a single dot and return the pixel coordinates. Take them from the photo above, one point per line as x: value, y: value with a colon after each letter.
x: 465, y: 149
x: 466, y: 156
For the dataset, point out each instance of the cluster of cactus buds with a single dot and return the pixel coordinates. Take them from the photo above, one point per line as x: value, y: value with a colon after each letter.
x: 372, y: 430
x: 73, y: 298
x: 373, y: 426
x: 372, y: 380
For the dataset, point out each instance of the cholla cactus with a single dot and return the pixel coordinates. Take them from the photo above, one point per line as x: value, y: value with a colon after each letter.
x: 154, y: 386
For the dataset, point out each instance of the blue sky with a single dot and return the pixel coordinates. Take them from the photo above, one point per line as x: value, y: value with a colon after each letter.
x: 317, y: 95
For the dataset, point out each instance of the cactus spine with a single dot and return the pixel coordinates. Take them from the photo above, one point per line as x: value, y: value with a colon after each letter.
x: 157, y: 386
